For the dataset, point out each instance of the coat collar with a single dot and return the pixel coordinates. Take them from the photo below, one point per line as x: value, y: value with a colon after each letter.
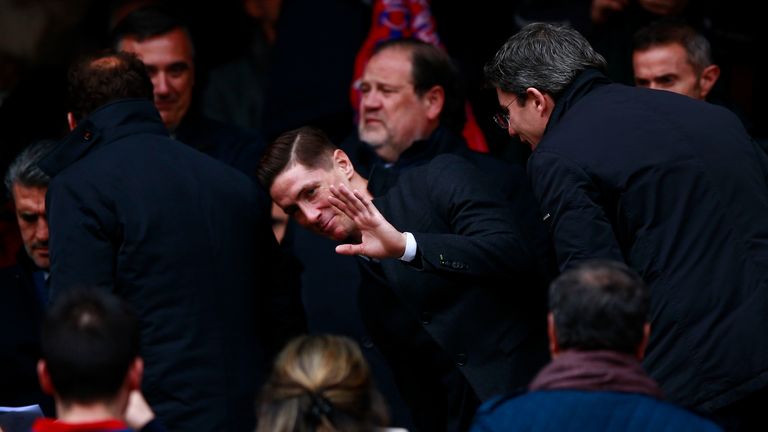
x: 107, y: 124
x: 584, y: 83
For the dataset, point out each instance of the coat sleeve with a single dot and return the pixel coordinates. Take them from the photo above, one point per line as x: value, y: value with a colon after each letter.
x: 83, y: 237
x: 570, y: 203
x: 483, y: 239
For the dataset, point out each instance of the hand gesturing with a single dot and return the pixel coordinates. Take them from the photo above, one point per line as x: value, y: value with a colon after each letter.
x: 379, y: 238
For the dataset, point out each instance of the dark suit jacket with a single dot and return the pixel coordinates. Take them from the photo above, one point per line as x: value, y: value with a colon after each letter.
x: 463, y: 286
x: 21, y: 311
x: 676, y: 189
x: 183, y: 238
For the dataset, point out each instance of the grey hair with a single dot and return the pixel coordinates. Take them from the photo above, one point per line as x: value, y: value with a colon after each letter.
x: 670, y: 31
x: 24, y: 170
x: 545, y: 56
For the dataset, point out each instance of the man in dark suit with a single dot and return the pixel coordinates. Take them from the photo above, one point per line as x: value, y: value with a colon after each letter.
x: 164, y: 44
x: 183, y: 237
x: 23, y: 286
x: 670, y: 185
x: 449, y: 314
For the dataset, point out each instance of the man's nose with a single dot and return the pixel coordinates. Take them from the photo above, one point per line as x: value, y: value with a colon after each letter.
x: 41, y: 230
x: 160, y: 83
x: 370, y: 100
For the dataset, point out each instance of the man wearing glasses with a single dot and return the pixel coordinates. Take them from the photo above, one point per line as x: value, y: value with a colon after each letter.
x: 672, y: 186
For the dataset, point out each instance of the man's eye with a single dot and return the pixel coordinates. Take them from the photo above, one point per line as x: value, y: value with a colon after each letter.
x: 29, y: 217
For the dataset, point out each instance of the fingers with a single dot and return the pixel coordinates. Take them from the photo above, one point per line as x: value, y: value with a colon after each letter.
x: 350, y: 249
x: 349, y: 202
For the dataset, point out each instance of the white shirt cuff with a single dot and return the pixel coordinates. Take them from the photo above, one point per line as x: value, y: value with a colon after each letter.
x: 410, y: 248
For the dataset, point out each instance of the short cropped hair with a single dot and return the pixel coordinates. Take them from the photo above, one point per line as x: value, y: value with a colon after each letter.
x: 148, y: 22
x: 599, y: 305
x: 668, y: 31
x: 89, y: 339
x: 24, y: 170
x: 97, y: 79
x: 307, y: 145
x: 431, y: 66
x: 544, y: 56
x: 321, y: 383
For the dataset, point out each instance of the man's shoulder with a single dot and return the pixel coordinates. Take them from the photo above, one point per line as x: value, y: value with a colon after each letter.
x: 595, y: 410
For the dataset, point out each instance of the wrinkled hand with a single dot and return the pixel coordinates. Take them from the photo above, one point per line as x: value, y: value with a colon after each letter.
x: 379, y: 238
x: 137, y: 413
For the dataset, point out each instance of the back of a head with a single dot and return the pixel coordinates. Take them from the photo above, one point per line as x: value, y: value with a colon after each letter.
x: 88, y: 340
x: 320, y: 383
x: 24, y: 170
x: 98, y: 79
x: 431, y: 66
x: 306, y: 145
x: 599, y: 305
x: 545, y: 56
x: 668, y: 31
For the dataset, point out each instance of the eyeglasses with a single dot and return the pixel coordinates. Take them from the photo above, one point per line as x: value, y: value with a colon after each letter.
x: 502, y: 119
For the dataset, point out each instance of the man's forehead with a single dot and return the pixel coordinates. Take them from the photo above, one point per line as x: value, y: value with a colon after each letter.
x: 170, y: 47
x: 291, y: 180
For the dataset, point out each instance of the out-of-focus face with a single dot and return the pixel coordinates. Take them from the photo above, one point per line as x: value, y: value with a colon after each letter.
x: 303, y: 193
x: 666, y: 67
x: 526, y: 121
x: 169, y: 61
x: 33, y: 223
x: 392, y: 115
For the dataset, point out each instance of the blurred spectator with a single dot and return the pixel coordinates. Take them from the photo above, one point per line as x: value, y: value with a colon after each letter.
x: 235, y: 90
x: 91, y: 365
x: 165, y: 46
x: 24, y: 286
x: 321, y: 383
x: 598, y: 332
x: 671, y: 55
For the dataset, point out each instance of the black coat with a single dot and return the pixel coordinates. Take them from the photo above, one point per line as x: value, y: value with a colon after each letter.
x: 468, y: 286
x: 676, y: 189
x: 21, y: 311
x: 184, y: 239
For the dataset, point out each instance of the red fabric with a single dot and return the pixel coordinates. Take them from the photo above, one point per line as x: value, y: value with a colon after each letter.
x: 53, y: 425
x: 598, y: 371
x: 399, y: 19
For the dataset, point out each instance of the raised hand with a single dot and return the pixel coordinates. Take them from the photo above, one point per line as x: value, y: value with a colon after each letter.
x: 379, y: 238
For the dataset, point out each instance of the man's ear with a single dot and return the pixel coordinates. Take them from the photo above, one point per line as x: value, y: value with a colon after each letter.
x: 135, y: 374
x: 71, y: 120
x: 542, y: 102
x: 640, y: 350
x: 44, y: 377
x: 554, y: 346
x: 708, y: 78
x: 434, y: 99
x: 341, y: 162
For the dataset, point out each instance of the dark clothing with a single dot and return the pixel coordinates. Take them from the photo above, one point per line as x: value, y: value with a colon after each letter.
x: 236, y: 147
x: 21, y: 312
x: 463, y: 288
x: 675, y: 188
x: 589, y: 391
x: 509, y: 179
x: 183, y: 238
